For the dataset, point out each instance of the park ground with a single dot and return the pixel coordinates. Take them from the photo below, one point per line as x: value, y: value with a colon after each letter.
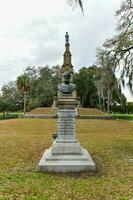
x: 23, y: 141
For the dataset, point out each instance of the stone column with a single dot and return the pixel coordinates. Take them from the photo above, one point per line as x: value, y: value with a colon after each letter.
x: 66, y: 125
x: 66, y: 142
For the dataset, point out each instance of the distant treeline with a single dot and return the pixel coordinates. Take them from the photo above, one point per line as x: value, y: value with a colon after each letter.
x: 37, y: 87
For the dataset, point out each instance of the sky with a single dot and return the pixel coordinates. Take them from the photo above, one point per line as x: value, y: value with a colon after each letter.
x: 32, y: 33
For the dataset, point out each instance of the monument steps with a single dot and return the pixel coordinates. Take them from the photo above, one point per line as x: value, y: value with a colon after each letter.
x: 66, y: 163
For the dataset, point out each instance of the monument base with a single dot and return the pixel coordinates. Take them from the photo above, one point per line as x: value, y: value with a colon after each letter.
x: 66, y: 163
x: 66, y: 148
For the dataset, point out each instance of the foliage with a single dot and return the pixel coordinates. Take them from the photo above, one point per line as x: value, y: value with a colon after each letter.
x: 86, y: 88
x: 125, y: 108
x: 10, y: 100
x: 109, y: 88
x: 23, y: 84
x: 8, y: 115
x: 75, y: 2
x: 23, y: 141
x: 37, y: 87
x: 118, y: 109
x: 120, y: 47
x: 44, y: 87
x: 98, y: 87
x: 129, y: 107
x: 123, y: 116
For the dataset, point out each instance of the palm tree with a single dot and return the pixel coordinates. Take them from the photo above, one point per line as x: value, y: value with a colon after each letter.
x: 23, y: 84
x: 74, y: 2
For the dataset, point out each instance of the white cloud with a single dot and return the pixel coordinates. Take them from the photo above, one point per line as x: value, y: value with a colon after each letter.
x: 32, y: 32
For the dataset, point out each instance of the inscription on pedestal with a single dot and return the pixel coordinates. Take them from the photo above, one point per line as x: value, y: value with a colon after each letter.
x: 66, y: 124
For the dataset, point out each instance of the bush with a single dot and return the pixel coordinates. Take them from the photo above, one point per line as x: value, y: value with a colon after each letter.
x: 123, y: 116
x: 129, y: 107
x: 8, y: 115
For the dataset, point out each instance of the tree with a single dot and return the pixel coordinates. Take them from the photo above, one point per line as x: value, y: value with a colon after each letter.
x: 86, y: 88
x: 99, y: 86
x: 10, y: 97
x: 43, y: 85
x: 75, y: 2
x: 120, y: 47
x: 110, y: 85
x: 107, y: 84
x: 56, y: 77
x: 38, y: 86
x: 24, y: 84
x: 31, y: 72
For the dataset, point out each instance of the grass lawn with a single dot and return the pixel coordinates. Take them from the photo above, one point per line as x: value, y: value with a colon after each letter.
x: 124, y: 116
x: 23, y: 141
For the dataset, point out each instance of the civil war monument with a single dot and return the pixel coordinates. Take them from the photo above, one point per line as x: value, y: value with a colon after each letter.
x: 66, y: 153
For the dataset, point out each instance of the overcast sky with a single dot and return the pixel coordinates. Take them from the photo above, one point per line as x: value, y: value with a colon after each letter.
x: 32, y: 33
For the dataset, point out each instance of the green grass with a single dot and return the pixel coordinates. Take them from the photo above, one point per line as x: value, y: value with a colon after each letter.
x: 23, y: 141
x: 124, y: 116
x: 8, y: 115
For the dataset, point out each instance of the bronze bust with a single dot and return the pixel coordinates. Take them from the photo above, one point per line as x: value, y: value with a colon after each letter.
x: 66, y: 88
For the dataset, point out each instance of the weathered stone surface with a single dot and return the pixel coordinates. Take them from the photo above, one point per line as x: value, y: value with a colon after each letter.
x: 66, y: 103
x: 66, y: 163
x: 66, y: 154
x: 66, y: 148
x: 66, y: 126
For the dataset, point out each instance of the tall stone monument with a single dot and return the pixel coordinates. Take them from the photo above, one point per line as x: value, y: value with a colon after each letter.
x: 66, y: 154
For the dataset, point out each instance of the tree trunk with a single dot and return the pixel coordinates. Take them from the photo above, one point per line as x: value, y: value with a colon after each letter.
x: 108, y: 102
x: 103, y: 105
x: 99, y: 99
x: 24, y: 103
x: 82, y: 101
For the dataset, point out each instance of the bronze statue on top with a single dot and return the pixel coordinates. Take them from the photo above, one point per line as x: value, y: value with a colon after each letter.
x: 66, y: 89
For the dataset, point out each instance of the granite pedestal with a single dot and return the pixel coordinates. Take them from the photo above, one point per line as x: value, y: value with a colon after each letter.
x: 66, y: 154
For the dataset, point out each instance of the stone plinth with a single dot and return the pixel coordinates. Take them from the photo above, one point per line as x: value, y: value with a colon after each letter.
x: 66, y: 163
x: 66, y: 154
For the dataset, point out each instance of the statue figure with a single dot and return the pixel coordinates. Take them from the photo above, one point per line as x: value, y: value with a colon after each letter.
x: 66, y: 89
x: 67, y: 37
